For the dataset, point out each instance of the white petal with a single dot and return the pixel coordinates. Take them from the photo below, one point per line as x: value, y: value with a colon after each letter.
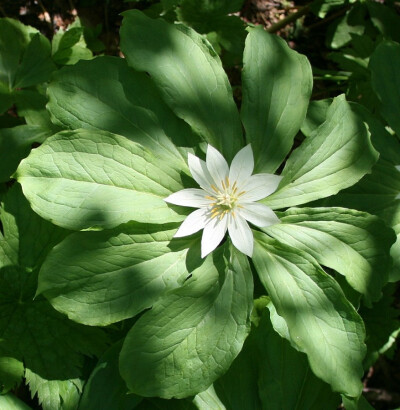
x: 242, y: 165
x: 259, y: 186
x: 213, y: 233
x: 193, y: 197
x: 217, y: 166
x: 200, y: 173
x: 193, y: 223
x: 241, y: 235
x: 258, y: 214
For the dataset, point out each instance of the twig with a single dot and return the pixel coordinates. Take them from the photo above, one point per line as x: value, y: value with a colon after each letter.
x: 289, y: 19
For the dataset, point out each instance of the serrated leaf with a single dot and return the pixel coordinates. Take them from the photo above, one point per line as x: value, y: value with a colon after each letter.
x: 337, y: 155
x: 277, y: 83
x: 127, y: 103
x: 11, y: 374
x: 112, y: 275
x: 31, y: 330
x: 321, y: 322
x: 55, y: 394
x: 68, y: 177
x: 355, y: 244
x: 105, y: 388
x: 385, y: 76
x: 189, y: 76
x: 190, y: 336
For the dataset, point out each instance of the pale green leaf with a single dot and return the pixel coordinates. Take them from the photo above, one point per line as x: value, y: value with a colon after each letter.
x: 86, y: 178
x: 11, y: 402
x: 189, y: 76
x: 191, y: 336
x: 337, y: 155
x: 355, y: 244
x: 385, y: 76
x: 208, y: 399
x: 112, y: 275
x: 277, y: 83
x: 121, y: 101
x: 55, y: 394
x: 321, y: 321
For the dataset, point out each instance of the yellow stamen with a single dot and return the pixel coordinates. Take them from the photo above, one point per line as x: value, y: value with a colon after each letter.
x: 227, y: 182
x: 214, y: 188
x: 223, y: 185
x: 210, y: 198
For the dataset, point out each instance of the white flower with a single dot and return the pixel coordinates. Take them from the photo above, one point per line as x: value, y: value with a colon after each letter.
x: 226, y: 200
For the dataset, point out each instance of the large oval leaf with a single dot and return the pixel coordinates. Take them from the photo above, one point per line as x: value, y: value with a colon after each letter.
x: 85, y: 178
x: 189, y: 75
x: 337, y: 155
x: 191, y: 336
x: 98, y: 278
x: 321, y: 321
x: 121, y: 101
x: 355, y: 244
x: 277, y: 83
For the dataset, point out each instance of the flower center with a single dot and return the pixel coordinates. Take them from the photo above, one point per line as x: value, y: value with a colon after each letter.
x: 224, y: 200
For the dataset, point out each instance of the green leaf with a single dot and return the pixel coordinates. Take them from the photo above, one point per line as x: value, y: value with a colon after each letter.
x: 385, y: 76
x: 385, y: 19
x: 10, y: 402
x: 105, y: 388
x: 15, y: 144
x: 321, y: 322
x: 55, y: 394
x: 68, y: 178
x: 353, y: 22
x: 127, y: 103
x: 381, y: 322
x: 277, y: 83
x: 353, y: 243
x: 238, y: 388
x: 20, y: 225
x: 36, y: 65
x: 32, y: 106
x: 31, y: 330
x: 285, y: 379
x: 192, y: 10
x: 11, y: 374
x: 68, y: 47
x: 112, y: 275
x: 14, y: 39
x: 189, y: 76
x: 337, y: 155
x: 208, y: 399
x: 191, y: 336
